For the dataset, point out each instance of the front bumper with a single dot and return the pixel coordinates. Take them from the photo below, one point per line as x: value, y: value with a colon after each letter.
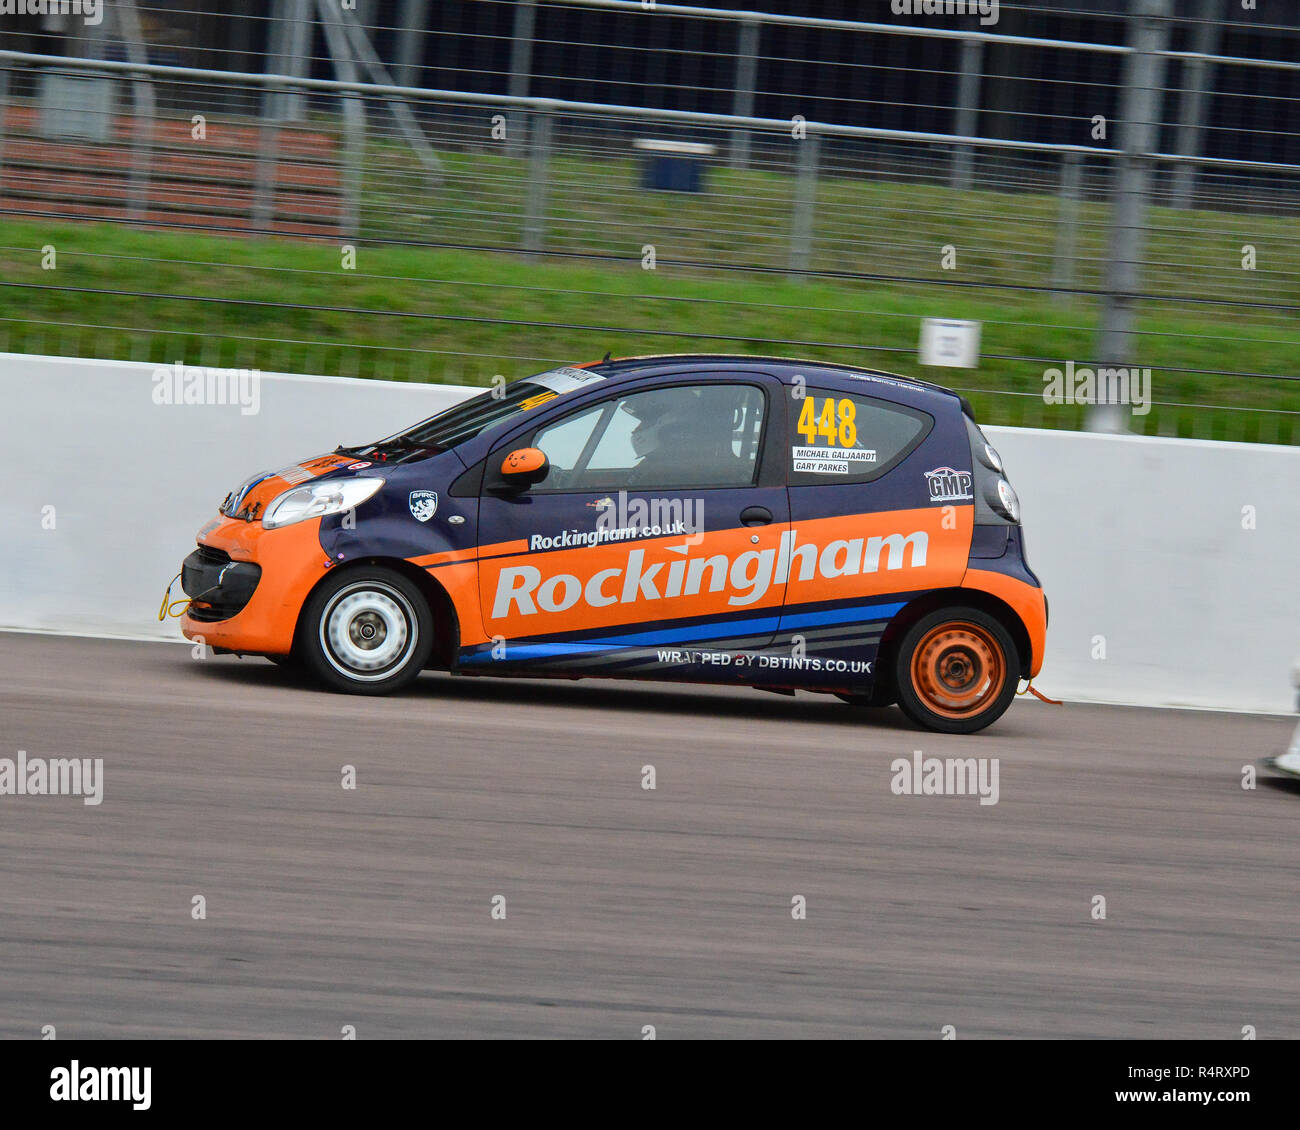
x: 248, y: 584
x: 218, y: 586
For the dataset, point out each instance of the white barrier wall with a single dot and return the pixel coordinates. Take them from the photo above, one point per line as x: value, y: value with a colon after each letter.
x: 1144, y: 546
x: 1180, y: 557
x: 131, y: 481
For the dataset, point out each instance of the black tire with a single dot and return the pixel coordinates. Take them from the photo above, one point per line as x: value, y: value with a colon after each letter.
x: 956, y: 670
x: 367, y: 631
x: 288, y: 662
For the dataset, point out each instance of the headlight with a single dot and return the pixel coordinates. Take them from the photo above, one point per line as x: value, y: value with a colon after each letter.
x: 992, y: 458
x: 1005, y: 502
x: 316, y: 500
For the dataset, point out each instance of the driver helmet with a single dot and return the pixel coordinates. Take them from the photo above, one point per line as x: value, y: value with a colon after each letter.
x: 657, y: 415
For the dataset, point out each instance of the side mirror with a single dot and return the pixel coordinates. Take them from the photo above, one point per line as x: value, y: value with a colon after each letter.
x: 522, y: 468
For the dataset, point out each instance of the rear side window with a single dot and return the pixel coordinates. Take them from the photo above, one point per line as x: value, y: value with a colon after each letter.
x: 838, y: 437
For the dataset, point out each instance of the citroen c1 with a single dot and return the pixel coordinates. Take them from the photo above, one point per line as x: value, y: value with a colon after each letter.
x: 760, y: 522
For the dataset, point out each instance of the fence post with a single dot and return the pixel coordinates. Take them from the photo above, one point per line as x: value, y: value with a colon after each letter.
x: 539, y: 151
x: 4, y: 113
x: 354, y: 150
x: 268, y: 151
x: 1139, y: 113
x: 967, y: 117
x: 354, y: 36
x: 291, y: 43
x: 143, y: 109
x: 521, y: 65
x: 805, y: 204
x: 1067, y: 228
x: 354, y: 120
x: 742, y: 105
x: 410, y: 41
x: 1197, y: 74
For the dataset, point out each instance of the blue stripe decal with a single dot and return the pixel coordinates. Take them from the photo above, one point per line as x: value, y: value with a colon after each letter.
x: 639, y: 639
x: 537, y: 651
x: 842, y: 615
x: 703, y: 631
x: 856, y: 614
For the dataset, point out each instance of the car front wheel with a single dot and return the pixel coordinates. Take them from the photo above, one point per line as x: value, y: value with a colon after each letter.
x: 956, y: 670
x: 368, y: 631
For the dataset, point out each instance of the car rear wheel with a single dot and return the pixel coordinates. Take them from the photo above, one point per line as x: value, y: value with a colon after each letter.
x: 956, y: 670
x: 368, y: 631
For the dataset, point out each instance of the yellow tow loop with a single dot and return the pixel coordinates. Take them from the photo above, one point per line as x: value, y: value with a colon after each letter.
x: 169, y: 606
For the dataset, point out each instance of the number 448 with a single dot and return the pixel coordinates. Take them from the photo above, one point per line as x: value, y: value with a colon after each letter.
x: 836, y: 422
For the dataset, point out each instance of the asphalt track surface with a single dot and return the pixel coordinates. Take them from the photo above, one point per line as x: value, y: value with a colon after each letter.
x: 624, y: 907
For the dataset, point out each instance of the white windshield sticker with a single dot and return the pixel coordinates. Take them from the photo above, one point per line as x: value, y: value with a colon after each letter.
x: 565, y: 379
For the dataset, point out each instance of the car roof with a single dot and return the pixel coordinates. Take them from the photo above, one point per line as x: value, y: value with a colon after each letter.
x: 780, y: 367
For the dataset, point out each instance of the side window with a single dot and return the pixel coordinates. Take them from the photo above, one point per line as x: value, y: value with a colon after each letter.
x: 682, y: 437
x: 568, y: 439
x: 616, y: 448
x: 840, y: 437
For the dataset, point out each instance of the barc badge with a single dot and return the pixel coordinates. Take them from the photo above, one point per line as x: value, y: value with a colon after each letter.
x: 424, y: 504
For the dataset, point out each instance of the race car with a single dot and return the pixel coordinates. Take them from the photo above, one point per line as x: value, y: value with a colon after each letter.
x: 779, y: 524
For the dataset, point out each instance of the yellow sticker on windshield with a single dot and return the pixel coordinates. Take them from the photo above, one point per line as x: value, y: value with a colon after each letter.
x: 533, y: 401
x: 835, y: 422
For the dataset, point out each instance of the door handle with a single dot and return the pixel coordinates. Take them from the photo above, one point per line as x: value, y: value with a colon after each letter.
x: 756, y: 516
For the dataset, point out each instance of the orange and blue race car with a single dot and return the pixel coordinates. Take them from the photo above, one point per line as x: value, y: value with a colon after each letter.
x: 736, y: 520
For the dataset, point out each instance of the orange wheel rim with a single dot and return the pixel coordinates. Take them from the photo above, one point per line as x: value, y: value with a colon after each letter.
x: 958, y: 669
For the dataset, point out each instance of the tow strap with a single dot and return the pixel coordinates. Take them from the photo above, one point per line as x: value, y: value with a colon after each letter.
x: 1039, y: 695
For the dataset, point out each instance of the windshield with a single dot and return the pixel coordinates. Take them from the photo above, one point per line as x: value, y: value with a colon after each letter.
x: 471, y: 417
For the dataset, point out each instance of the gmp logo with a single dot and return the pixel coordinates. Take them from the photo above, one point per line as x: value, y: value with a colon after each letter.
x: 948, y: 485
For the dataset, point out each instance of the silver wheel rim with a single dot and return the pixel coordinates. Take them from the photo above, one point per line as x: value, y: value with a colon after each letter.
x: 368, y: 631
